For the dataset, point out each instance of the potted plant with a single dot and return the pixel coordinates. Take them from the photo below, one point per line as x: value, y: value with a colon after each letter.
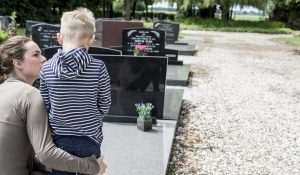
x: 140, y: 50
x: 144, y: 120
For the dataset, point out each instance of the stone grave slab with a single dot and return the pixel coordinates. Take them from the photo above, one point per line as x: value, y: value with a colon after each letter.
x: 135, y: 79
x: 98, y: 34
x: 183, y: 49
x: 49, y: 52
x: 130, y: 151
x: 153, y: 39
x: 45, y: 35
x: 112, y: 31
x: 29, y: 24
x: 172, y: 30
x: 178, y: 75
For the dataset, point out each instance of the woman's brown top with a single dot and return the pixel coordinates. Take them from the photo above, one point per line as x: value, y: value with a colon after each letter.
x: 24, y: 131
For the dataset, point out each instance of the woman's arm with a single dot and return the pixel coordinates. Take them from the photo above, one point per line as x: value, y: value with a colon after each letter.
x: 40, y: 137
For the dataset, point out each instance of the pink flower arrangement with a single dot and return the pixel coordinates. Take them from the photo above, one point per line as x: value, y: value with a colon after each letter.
x: 140, y: 50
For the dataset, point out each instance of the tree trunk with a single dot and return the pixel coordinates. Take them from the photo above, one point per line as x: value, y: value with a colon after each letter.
x: 133, y: 8
x: 225, y: 10
x: 111, y: 10
x: 146, y: 12
x: 127, y: 11
x: 103, y: 9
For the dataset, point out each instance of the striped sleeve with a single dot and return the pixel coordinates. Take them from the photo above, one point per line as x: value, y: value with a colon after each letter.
x: 104, y: 94
x: 44, y: 91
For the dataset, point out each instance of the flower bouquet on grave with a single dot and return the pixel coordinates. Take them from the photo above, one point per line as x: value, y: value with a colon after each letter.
x: 140, y: 50
x: 144, y: 120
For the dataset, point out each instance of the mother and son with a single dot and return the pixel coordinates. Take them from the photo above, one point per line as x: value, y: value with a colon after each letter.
x: 60, y: 125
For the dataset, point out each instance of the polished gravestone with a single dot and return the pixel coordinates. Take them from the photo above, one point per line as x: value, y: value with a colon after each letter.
x: 178, y: 75
x: 49, y: 52
x: 172, y: 30
x: 29, y: 24
x: 112, y: 31
x: 153, y: 39
x: 135, y: 79
x: 45, y: 35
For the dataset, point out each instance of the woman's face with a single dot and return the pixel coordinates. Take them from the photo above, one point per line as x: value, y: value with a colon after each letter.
x: 33, y: 60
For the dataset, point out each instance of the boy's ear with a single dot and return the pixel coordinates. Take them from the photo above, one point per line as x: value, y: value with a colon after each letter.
x: 91, y: 40
x: 59, y: 38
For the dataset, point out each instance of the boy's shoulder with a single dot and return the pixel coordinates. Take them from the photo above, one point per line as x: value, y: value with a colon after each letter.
x: 97, y: 61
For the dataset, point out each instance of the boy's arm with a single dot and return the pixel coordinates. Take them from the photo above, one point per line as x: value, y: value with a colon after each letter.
x: 39, y: 134
x: 44, y: 91
x: 104, y: 91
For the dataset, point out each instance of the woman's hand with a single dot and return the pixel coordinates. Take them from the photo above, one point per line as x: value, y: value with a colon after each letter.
x: 102, y: 166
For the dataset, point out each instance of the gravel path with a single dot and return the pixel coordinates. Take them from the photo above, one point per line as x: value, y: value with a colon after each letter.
x: 241, y: 111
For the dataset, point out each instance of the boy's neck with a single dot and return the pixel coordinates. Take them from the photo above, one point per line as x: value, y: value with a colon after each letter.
x: 70, y: 46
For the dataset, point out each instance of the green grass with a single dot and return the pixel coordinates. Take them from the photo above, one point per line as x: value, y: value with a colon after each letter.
x: 244, y: 17
x: 233, y: 25
x: 293, y: 41
x: 21, y: 31
x: 230, y: 26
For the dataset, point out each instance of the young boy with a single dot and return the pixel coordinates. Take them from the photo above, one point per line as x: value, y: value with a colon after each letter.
x: 76, y: 88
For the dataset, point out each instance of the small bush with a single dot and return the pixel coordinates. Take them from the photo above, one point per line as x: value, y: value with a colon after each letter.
x: 3, y: 36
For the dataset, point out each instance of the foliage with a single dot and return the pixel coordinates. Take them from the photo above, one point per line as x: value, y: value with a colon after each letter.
x: 288, y: 12
x: 221, y: 23
x: 11, y: 29
x: 144, y: 110
x: 3, y: 36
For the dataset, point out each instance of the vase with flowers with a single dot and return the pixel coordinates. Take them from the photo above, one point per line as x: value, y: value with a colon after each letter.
x: 140, y: 50
x: 144, y: 120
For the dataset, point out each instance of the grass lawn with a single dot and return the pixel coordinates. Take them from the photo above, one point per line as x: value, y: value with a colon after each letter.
x: 293, y: 41
x: 21, y: 31
x: 253, y: 24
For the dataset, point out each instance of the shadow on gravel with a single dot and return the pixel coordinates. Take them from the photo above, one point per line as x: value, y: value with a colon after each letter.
x: 296, y: 52
x: 197, y: 72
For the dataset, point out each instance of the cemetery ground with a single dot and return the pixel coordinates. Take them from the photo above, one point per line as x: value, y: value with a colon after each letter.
x: 241, y: 109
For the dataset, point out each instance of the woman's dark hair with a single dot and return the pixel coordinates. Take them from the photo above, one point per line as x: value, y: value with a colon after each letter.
x: 11, y: 49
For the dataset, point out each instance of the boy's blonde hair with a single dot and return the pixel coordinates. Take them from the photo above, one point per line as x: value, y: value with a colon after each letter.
x: 77, y: 25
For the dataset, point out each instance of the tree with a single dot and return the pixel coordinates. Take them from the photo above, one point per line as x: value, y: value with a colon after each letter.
x: 187, y: 7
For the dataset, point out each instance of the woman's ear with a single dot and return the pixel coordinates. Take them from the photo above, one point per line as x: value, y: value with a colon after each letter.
x: 59, y: 38
x: 91, y: 40
x: 17, y: 64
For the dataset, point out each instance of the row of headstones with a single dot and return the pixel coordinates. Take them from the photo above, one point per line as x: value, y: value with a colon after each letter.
x: 45, y: 36
x: 133, y: 79
x: 112, y: 35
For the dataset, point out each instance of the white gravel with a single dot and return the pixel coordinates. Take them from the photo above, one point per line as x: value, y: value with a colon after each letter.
x: 241, y: 113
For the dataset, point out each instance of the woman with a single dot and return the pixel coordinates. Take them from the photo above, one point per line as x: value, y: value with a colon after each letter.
x: 24, y: 129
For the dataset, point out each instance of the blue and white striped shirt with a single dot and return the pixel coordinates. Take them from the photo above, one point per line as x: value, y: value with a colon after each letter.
x: 76, y: 90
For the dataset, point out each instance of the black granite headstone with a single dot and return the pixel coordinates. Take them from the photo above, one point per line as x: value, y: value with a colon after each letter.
x: 153, y: 39
x: 172, y: 30
x: 28, y: 26
x: 49, y: 52
x: 45, y: 35
x: 135, y: 79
